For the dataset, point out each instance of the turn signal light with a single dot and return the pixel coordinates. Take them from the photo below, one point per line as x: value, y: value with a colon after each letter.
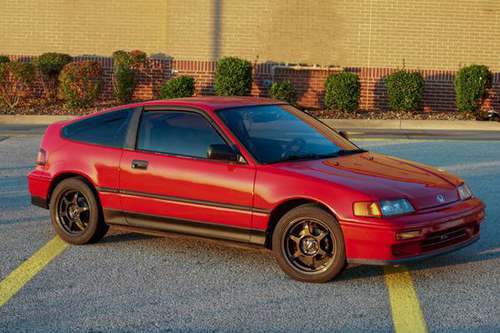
x: 408, y: 235
x: 367, y: 209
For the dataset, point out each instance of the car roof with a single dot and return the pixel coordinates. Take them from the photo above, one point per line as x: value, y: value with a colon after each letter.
x: 207, y: 103
x: 215, y: 102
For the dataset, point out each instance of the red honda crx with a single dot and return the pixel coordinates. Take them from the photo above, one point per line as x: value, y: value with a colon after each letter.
x: 250, y: 170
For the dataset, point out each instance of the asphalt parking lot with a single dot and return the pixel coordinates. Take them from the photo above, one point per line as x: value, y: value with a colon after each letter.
x: 136, y: 283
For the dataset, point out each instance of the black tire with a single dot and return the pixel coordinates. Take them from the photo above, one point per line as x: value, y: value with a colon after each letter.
x: 76, y: 213
x: 309, y: 245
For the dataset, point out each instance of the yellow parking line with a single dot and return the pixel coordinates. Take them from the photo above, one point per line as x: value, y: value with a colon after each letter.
x: 28, y: 269
x: 407, y: 315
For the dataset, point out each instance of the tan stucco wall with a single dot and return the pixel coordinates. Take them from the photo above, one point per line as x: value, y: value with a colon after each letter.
x: 363, y: 33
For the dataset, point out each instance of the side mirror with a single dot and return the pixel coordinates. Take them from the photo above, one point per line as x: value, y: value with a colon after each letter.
x: 222, y: 152
x: 344, y: 134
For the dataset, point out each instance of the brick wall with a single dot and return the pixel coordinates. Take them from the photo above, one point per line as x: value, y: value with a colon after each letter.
x: 423, y: 34
x: 309, y: 82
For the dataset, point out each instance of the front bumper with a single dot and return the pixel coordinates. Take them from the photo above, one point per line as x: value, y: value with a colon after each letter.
x: 442, y: 230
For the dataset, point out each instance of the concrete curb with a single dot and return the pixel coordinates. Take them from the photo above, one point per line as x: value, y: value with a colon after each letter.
x: 31, y: 119
x: 456, y: 125
x: 450, y: 125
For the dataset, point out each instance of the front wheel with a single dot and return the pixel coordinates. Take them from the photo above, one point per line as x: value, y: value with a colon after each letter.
x: 309, y: 245
x: 75, y: 212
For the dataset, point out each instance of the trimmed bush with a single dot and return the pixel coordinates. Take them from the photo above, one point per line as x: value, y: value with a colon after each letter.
x: 342, y: 92
x: 125, y: 73
x: 233, y: 77
x: 4, y: 59
x: 15, y: 82
x: 182, y: 86
x: 80, y: 83
x: 405, y: 91
x: 49, y: 66
x: 284, y: 91
x: 471, y: 84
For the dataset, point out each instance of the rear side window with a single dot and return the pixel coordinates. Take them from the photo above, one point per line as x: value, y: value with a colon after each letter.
x: 108, y: 129
x: 176, y: 133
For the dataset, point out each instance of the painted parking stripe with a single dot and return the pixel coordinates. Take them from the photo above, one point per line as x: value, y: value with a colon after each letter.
x: 29, y: 269
x: 407, y: 315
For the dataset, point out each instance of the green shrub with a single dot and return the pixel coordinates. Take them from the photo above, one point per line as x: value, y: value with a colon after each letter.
x: 342, y: 91
x: 49, y: 66
x: 15, y: 82
x: 233, y: 77
x: 284, y: 91
x: 4, y: 59
x: 80, y: 83
x: 182, y: 86
x: 125, y: 73
x: 471, y: 84
x: 405, y: 91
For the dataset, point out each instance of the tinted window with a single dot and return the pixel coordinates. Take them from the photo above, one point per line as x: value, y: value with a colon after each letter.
x: 108, y: 129
x: 275, y: 133
x: 176, y: 133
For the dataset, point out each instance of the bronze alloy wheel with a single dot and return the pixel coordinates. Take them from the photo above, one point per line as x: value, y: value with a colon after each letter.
x: 73, y: 212
x: 308, y: 245
x: 76, y: 213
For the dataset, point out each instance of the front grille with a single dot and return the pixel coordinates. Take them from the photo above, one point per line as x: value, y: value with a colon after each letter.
x: 444, y: 238
x: 437, y: 240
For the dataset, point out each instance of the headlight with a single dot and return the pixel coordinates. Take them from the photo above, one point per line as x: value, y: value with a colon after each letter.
x: 396, y: 207
x: 464, y: 192
x: 383, y: 208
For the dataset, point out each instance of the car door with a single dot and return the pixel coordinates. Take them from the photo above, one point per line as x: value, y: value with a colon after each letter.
x: 168, y: 183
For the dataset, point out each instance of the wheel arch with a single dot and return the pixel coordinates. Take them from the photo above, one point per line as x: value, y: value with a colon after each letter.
x: 70, y: 174
x: 285, y: 206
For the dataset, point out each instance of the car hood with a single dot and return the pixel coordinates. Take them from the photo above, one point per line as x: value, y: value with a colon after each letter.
x: 384, y: 178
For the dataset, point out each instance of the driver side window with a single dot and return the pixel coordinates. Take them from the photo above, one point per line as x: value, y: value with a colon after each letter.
x: 176, y: 133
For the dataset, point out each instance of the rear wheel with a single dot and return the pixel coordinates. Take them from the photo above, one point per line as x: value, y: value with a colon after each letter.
x: 75, y: 212
x: 309, y: 245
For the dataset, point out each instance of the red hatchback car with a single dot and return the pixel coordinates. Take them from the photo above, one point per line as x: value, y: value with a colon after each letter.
x: 250, y: 170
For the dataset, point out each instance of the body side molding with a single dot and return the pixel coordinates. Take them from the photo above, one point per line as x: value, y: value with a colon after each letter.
x: 180, y: 226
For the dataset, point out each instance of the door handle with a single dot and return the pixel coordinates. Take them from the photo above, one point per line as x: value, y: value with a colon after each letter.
x: 138, y: 164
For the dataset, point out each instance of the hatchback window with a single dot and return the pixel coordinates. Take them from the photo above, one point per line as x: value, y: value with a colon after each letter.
x: 108, y: 129
x: 176, y: 133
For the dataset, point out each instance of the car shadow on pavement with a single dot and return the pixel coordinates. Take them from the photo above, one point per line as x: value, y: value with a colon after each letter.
x: 365, y: 271
x: 125, y: 237
x: 353, y: 272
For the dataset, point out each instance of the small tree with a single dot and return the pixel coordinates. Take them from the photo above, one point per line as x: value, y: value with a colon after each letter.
x: 342, y: 91
x: 471, y: 84
x: 405, y: 91
x: 80, y: 83
x: 284, y: 91
x: 15, y: 82
x: 49, y: 66
x: 182, y: 86
x: 233, y: 77
x: 125, y: 73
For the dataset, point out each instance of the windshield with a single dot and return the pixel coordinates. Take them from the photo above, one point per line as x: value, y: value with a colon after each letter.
x: 278, y: 133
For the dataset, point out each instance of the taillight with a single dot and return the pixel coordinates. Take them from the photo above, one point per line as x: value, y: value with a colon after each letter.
x: 41, y: 158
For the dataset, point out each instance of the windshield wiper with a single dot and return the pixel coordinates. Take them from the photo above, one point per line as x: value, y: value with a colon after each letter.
x: 344, y: 152
x: 303, y: 157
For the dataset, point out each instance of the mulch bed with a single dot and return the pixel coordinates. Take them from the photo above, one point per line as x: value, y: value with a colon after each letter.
x: 55, y: 109
x: 58, y: 108
x: 388, y: 115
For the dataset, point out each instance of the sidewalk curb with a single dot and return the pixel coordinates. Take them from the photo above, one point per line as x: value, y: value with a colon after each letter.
x: 451, y: 125
x: 31, y: 119
x: 456, y: 125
